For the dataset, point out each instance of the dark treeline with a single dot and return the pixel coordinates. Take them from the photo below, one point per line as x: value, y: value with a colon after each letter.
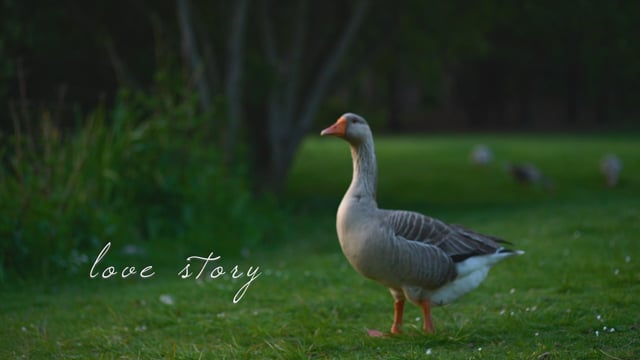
x: 277, y: 66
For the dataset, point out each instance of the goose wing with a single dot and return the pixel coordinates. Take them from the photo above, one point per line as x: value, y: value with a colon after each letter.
x: 456, y: 241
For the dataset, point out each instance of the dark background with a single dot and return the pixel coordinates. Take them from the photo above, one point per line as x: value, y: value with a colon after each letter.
x: 417, y: 65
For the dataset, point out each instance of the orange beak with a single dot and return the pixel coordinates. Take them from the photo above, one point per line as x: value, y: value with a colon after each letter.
x: 338, y: 129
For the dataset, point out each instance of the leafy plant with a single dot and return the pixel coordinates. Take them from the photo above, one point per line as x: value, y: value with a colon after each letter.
x: 143, y: 173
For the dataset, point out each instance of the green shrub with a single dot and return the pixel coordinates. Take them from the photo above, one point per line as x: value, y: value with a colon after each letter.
x: 146, y: 172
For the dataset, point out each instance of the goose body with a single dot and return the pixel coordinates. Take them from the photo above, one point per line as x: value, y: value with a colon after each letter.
x: 419, y: 258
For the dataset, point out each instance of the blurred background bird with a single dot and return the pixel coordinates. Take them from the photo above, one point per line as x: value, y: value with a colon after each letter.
x: 611, y: 166
x: 481, y: 155
x: 528, y: 174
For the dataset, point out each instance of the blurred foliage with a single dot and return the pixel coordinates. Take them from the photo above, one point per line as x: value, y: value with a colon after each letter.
x: 144, y: 173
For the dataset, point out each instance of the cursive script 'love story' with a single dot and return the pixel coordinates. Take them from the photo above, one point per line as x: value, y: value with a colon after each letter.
x: 251, y: 274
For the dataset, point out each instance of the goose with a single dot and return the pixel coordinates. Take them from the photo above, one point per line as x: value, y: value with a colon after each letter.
x: 481, y: 155
x: 611, y: 166
x: 527, y: 173
x: 417, y: 257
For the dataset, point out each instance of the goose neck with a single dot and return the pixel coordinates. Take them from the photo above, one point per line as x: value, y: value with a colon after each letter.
x: 365, y: 171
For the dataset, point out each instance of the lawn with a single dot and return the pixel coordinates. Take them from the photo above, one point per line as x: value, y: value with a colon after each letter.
x: 574, y: 294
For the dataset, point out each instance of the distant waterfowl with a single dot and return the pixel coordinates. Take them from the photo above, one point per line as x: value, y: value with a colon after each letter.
x: 611, y: 166
x: 419, y: 258
x: 527, y: 173
x: 481, y: 155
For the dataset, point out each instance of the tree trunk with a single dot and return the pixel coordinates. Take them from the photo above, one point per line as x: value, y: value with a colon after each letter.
x: 524, y: 101
x: 192, y: 54
x: 235, y: 46
x: 394, y: 99
x: 573, y: 81
x: 289, y: 117
x: 572, y: 95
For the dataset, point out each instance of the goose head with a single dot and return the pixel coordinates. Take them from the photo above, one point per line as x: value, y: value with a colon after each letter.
x: 351, y: 127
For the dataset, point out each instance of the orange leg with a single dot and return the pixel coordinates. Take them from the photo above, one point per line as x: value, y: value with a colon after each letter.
x: 426, y: 310
x: 397, y: 316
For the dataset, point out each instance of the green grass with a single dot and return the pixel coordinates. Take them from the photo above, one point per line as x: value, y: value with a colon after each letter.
x: 581, y: 272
